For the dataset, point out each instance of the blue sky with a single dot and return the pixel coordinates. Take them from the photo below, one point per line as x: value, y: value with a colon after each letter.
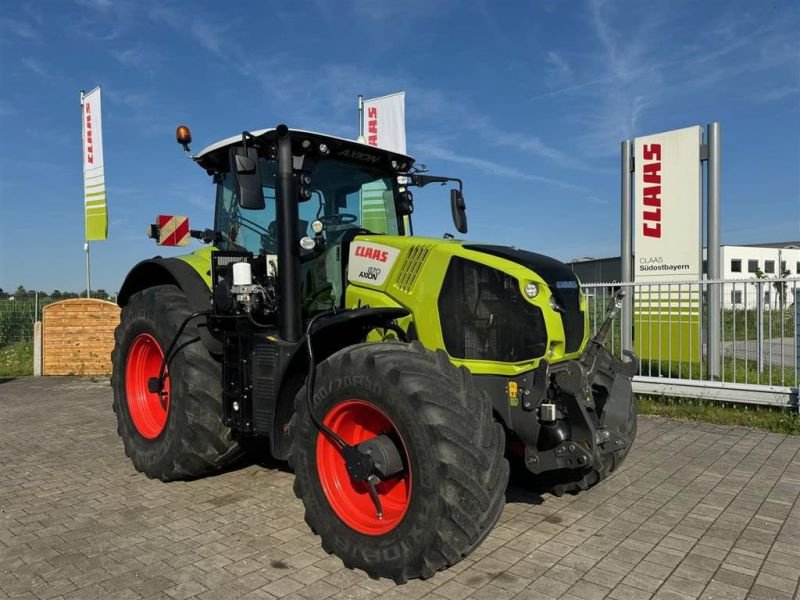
x: 526, y: 101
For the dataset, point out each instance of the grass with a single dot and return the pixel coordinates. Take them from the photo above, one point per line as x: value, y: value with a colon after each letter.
x: 777, y: 420
x: 742, y: 324
x: 734, y: 370
x: 16, y: 359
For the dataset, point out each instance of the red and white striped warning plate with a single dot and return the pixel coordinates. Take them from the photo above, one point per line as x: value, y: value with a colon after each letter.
x: 173, y: 231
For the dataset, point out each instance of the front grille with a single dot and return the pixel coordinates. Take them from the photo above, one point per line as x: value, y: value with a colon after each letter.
x: 561, y: 280
x: 485, y: 317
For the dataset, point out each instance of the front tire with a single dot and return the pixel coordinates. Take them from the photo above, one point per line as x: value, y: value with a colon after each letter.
x: 177, y: 435
x: 451, y: 490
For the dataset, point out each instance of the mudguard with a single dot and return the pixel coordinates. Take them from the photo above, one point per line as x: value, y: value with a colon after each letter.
x: 172, y: 271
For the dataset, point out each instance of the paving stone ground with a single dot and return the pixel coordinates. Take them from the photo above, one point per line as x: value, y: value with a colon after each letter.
x: 697, y: 511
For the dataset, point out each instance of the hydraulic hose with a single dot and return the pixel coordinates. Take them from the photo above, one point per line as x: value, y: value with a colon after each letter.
x: 310, y: 378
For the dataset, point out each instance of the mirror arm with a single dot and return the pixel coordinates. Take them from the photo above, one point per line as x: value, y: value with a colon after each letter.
x: 423, y: 180
x: 207, y: 236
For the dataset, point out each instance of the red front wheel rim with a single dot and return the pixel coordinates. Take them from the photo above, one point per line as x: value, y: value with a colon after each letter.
x: 356, y: 421
x: 148, y: 410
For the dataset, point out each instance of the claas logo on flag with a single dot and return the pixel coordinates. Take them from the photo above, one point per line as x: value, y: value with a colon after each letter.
x: 172, y: 230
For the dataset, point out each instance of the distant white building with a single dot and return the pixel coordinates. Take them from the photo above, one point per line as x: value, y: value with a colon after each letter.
x: 768, y: 261
x: 746, y: 262
x: 772, y: 260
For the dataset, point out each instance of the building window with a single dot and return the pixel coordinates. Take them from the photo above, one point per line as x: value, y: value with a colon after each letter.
x: 783, y: 267
x: 752, y: 266
x: 736, y: 265
x: 797, y: 268
x: 736, y: 297
x: 705, y: 267
x: 769, y: 266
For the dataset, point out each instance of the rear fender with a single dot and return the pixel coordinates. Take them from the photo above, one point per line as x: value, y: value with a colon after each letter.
x: 172, y: 271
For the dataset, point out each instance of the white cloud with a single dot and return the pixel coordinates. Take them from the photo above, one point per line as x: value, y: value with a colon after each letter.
x: 102, y: 5
x: 640, y: 65
x: 559, y: 71
x: 35, y: 66
x: 777, y: 93
x: 20, y: 29
x: 490, y: 167
x: 138, y: 57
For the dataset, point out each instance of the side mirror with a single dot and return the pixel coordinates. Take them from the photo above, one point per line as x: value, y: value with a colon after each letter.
x: 247, y: 173
x: 459, y: 210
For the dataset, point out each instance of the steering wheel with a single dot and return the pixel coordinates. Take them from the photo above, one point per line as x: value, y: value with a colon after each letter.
x: 338, y: 219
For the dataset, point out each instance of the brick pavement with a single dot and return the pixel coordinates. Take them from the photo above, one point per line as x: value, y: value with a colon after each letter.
x: 697, y: 511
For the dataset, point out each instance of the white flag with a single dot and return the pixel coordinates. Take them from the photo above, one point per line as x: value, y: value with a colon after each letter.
x: 385, y: 122
x: 94, y: 181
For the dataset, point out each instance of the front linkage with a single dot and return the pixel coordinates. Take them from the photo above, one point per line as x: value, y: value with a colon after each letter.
x: 587, y: 410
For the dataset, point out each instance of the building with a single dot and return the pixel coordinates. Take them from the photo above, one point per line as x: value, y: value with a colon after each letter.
x: 771, y: 260
x: 744, y: 262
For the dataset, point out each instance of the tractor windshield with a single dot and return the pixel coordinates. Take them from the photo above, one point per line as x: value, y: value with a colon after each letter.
x: 344, y: 196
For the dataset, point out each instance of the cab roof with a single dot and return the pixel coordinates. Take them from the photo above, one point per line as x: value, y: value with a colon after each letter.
x: 214, y: 158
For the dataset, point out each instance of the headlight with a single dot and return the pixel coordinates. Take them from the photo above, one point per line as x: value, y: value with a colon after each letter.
x: 531, y: 289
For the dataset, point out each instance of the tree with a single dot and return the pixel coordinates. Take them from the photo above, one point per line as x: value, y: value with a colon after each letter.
x: 780, y: 288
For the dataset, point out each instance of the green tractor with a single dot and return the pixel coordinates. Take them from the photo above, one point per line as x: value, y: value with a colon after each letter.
x: 398, y: 375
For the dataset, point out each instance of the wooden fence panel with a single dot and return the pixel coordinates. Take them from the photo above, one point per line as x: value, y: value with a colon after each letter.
x: 78, y: 337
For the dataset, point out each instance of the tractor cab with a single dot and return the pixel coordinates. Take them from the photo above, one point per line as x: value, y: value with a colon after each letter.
x: 343, y: 188
x: 343, y: 184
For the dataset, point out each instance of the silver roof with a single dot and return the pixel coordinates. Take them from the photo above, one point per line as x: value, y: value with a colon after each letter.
x: 215, y: 155
x: 227, y: 142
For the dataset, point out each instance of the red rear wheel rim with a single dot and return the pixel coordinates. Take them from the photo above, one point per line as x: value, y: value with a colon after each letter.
x: 148, y: 410
x: 356, y: 421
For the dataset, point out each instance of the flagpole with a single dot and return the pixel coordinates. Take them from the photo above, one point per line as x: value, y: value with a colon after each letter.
x: 361, y: 118
x: 85, y: 224
x: 88, y: 279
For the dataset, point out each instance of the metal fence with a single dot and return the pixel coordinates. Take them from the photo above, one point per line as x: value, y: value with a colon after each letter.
x: 19, y: 313
x: 758, y: 349
x: 17, y: 316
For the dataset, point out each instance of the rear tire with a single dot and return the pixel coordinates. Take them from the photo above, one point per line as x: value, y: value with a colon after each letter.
x: 452, y: 490
x: 181, y: 436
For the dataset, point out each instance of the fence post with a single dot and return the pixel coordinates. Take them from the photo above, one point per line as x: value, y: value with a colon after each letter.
x: 796, y: 334
x: 625, y: 246
x: 760, y: 326
x: 714, y: 334
x: 37, y: 348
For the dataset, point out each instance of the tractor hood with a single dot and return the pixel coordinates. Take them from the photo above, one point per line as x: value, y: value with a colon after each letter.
x: 409, y: 254
x: 479, y: 302
x: 557, y: 274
